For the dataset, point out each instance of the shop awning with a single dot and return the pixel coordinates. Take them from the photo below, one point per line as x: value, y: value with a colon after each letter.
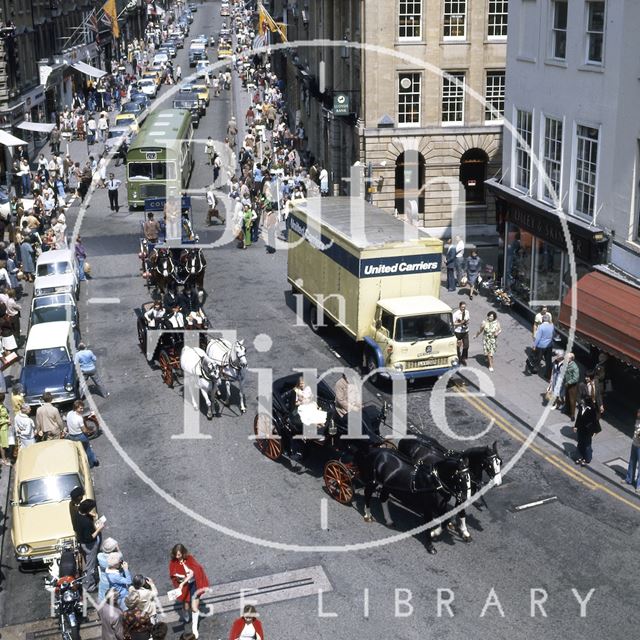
x: 608, y: 315
x: 88, y: 70
x: 40, y: 127
x: 10, y: 141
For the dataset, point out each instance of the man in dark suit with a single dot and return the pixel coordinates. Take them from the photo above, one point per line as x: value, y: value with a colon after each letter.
x: 450, y: 260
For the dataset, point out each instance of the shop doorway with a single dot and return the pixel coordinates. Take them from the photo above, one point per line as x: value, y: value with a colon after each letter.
x: 473, y: 173
x: 409, y: 183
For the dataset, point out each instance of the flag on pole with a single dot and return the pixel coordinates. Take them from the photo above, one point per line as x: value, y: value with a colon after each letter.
x: 110, y: 10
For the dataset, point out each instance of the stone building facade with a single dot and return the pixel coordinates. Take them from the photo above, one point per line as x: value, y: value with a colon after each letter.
x: 425, y: 143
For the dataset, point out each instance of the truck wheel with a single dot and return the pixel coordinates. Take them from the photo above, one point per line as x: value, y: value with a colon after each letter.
x: 313, y: 319
x: 371, y: 364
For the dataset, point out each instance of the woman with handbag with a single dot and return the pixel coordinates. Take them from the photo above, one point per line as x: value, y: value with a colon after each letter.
x: 189, y: 577
x: 490, y: 330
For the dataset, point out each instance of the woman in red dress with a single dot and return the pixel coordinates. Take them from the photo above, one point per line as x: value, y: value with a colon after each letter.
x: 187, y: 574
x: 248, y: 627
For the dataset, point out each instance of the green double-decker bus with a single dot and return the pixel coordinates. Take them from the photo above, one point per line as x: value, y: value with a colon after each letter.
x: 160, y: 159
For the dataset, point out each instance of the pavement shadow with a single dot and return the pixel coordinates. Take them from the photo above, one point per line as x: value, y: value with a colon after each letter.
x: 569, y: 447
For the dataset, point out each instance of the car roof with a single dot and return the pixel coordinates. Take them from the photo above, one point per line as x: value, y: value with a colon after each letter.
x: 53, y: 300
x: 123, y: 131
x: 49, y: 334
x: 47, y: 458
x: 57, y: 255
x: 414, y: 305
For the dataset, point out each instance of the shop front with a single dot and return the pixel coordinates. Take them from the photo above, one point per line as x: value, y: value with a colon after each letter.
x: 535, y: 264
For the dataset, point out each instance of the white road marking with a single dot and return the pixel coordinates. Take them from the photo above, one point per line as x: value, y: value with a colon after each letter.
x: 537, y: 503
x: 324, y: 514
x: 103, y: 301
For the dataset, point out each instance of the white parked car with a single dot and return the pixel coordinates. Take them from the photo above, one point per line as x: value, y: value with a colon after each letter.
x: 160, y: 58
x: 57, y: 272
x: 148, y: 86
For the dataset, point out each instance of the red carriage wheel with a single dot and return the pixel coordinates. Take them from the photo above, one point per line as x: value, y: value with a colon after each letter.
x: 338, y: 481
x: 165, y: 364
x: 267, y: 440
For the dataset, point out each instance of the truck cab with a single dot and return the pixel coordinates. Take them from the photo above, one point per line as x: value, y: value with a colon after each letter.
x: 412, y: 336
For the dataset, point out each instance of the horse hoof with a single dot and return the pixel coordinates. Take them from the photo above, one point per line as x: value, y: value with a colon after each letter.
x: 209, y: 415
x: 467, y: 538
x: 451, y: 527
x: 391, y: 524
x: 432, y: 550
x: 368, y: 518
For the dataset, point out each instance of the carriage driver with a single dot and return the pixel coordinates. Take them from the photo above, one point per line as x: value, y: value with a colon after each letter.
x: 175, y: 320
x: 151, y: 230
x: 153, y: 317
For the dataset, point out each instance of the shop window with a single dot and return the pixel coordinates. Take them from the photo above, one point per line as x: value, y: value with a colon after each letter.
x: 518, y: 258
x: 473, y: 173
x: 410, y: 170
x: 547, y: 273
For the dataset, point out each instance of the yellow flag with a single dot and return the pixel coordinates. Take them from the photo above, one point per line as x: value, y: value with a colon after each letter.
x: 111, y: 10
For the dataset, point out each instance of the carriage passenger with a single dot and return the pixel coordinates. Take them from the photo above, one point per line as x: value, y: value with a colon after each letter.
x: 155, y: 315
x: 151, y: 230
x: 308, y: 409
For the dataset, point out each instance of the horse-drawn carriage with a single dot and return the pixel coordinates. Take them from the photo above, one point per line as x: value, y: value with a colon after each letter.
x: 275, y: 434
x: 167, y: 349
x: 163, y: 265
x: 420, y: 473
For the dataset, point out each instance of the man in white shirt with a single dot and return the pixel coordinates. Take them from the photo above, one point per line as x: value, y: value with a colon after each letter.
x: 112, y: 190
x: 212, y: 210
x: 77, y: 431
x: 103, y: 127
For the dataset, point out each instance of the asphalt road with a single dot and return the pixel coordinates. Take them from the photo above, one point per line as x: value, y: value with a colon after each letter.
x: 584, y: 540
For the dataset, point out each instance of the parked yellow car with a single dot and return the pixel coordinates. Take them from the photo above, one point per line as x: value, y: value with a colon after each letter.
x: 127, y: 119
x: 224, y: 51
x: 45, y: 473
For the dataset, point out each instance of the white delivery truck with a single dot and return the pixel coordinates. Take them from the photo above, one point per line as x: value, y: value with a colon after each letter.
x: 376, y: 278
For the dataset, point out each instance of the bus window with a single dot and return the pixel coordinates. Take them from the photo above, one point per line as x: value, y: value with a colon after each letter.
x: 152, y: 170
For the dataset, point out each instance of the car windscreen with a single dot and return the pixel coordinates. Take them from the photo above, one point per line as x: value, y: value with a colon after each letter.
x: 427, y: 327
x: 131, y: 107
x: 54, y: 268
x: 115, y: 133
x: 49, y: 357
x: 49, y: 489
x: 152, y: 170
x: 60, y: 313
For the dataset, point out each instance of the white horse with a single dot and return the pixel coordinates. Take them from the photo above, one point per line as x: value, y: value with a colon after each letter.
x: 231, y: 358
x: 194, y: 362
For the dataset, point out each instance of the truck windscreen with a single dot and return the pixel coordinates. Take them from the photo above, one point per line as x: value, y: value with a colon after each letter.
x: 429, y: 327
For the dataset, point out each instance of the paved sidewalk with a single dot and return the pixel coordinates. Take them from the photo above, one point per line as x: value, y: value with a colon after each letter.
x: 522, y: 394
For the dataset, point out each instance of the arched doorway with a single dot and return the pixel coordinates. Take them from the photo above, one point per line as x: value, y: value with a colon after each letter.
x: 473, y: 173
x: 409, y: 182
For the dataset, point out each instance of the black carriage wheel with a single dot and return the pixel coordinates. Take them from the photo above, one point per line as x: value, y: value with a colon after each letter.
x: 263, y: 430
x: 338, y: 481
x: 164, y: 361
x: 142, y: 334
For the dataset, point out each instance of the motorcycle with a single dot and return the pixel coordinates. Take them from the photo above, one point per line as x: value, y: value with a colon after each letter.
x: 65, y: 585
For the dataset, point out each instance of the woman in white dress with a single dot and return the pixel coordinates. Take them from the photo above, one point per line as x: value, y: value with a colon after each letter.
x: 308, y: 409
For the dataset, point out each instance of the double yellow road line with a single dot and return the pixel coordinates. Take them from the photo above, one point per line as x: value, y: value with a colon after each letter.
x: 553, y: 459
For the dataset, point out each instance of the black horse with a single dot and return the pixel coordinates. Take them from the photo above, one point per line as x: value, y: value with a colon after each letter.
x: 425, y: 487
x: 190, y: 267
x: 480, y: 459
x: 161, y: 268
